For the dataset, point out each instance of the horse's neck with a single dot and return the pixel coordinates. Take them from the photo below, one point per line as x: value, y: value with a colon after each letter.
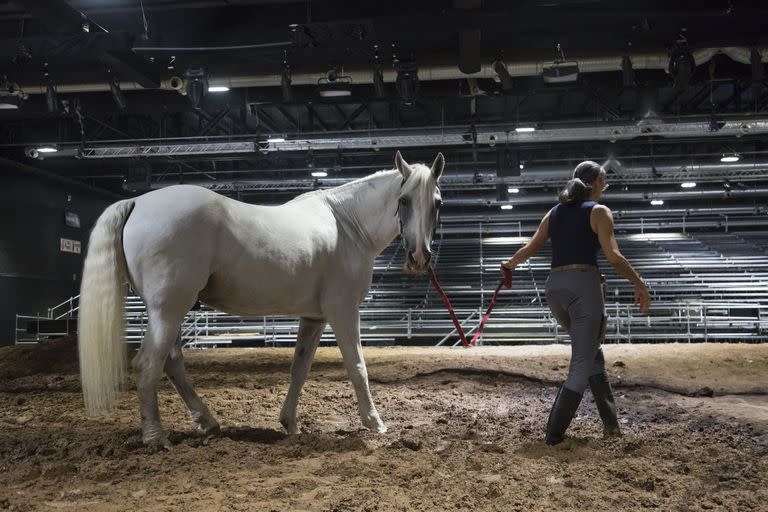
x: 367, y: 209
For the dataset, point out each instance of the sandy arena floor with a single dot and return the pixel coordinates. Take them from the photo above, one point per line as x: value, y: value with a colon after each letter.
x: 465, y: 433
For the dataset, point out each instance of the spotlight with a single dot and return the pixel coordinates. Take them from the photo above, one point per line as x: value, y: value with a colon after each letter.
x: 285, y: 83
x: 681, y: 67
x: 276, y: 139
x: 730, y: 158
x: 504, y: 77
x: 378, y: 82
x: 627, y: 72
x: 196, y: 85
x: 10, y: 96
x: 525, y: 129
x: 506, y: 207
x: 218, y: 88
x: 688, y: 184
x: 117, y: 94
x: 334, y: 85
x: 51, y: 99
x: 657, y: 202
x: 319, y: 174
x: 513, y: 190
x: 47, y: 149
x: 407, y: 82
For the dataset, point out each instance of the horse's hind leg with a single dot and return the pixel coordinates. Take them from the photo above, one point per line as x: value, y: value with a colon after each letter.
x: 177, y: 374
x: 308, y: 338
x: 162, y: 331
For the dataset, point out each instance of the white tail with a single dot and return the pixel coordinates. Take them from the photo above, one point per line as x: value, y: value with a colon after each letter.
x: 101, y: 317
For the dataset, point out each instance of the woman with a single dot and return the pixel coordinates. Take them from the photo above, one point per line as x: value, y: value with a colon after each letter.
x: 579, y: 226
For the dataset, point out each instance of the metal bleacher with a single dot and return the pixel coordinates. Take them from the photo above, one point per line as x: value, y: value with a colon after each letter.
x: 707, y: 286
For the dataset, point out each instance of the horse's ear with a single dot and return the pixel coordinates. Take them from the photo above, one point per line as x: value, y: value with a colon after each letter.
x: 438, y: 165
x: 402, y: 166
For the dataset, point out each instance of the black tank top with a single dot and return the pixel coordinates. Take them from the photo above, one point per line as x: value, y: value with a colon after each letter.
x: 573, y: 240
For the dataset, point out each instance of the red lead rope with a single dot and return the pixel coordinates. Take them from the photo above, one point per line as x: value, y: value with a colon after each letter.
x: 506, y: 282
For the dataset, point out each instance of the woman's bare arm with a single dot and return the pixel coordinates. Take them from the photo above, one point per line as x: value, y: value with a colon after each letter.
x: 536, y: 242
x: 602, y: 224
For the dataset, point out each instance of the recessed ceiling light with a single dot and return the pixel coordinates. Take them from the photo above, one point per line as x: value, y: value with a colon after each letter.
x: 730, y: 158
x: 525, y: 129
x: 513, y: 190
x: 276, y: 139
x: 47, y: 149
x: 319, y: 174
x: 218, y: 88
x: 506, y: 207
x: 657, y: 202
x: 688, y: 184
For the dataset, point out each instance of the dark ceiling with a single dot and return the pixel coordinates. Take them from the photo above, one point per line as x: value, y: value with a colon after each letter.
x: 44, y: 41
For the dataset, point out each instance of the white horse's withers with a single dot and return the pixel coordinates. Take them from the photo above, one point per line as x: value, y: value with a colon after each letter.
x: 311, y: 258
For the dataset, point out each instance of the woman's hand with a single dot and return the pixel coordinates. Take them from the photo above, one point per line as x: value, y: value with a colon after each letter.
x: 508, y: 264
x: 642, y: 297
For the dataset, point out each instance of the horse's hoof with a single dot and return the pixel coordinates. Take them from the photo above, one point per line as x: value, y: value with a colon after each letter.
x: 158, y: 444
x: 289, y: 426
x: 210, y: 430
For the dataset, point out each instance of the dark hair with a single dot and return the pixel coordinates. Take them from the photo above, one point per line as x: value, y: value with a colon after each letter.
x: 580, y: 186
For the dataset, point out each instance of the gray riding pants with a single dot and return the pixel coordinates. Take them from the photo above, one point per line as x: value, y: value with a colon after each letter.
x: 576, y: 300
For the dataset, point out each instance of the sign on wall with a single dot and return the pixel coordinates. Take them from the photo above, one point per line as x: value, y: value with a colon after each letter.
x: 68, y: 245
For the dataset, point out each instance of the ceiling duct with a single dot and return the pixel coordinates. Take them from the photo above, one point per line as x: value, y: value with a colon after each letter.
x: 658, y: 61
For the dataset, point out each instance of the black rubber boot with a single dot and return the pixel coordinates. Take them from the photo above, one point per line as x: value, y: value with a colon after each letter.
x: 560, y: 416
x: 606, y: 405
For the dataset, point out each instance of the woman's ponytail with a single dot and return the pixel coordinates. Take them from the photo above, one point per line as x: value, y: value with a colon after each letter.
x: 575, y: 190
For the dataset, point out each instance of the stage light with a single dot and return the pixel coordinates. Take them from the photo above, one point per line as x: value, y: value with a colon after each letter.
x: 525, y: 129
x: 47, y: 149
x: 407, y: 82
x: 319, y: 174
x: 688, y: 184
x: 276, y: 139
x: 513, y: 190
x: 506, y: 207
x: 117, y: 94
x: 218, y: 88
x: 51, y: 99
x: 730, y: 158
x: 657, y: 202
x: 196, y: 85
x: 504, y: 77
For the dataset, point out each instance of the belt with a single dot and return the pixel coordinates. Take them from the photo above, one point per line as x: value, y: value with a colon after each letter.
x: 575, y: 266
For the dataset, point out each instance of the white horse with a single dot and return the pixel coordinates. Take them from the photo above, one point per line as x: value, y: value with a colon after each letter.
x: 311, y: 258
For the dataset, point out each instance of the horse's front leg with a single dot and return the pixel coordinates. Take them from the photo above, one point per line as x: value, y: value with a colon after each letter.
x: 308, y: 338
x: 347, y: 330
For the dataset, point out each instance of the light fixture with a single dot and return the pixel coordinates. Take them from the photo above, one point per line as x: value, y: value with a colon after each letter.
x: 657, y: 202
x: 196, y: 85
x: 47, y: 149
x: 513, y: 190
x: 506, y: 207
x: 407, y: 82
x: 51, y: 99
x: 688, y: 184
x: 285, y: 79
x: 218, y: 88
x: 730, y: 158
x: 334, y: 86
x: 525, y: 129
x: 9, y: 100
x: 319, y: 174
x: 276, y: 139
x: 117, y: 94
x: 522, y: 165
x: 504, y: 77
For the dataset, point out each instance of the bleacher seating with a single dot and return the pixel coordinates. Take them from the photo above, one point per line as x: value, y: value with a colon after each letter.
x: 705, y: 287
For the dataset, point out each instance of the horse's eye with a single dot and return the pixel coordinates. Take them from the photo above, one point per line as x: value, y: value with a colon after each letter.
x: 403, y: 201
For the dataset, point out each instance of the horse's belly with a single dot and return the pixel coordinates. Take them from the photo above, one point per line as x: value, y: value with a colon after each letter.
x: 249, y: 296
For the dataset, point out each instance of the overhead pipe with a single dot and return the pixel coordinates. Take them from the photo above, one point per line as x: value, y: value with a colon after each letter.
x: 426, y: 73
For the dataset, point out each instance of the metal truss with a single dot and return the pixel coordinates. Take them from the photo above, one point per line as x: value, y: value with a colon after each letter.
x: 152, y: 150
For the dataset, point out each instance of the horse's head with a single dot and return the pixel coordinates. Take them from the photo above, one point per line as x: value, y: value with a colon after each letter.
x: 418, y: 210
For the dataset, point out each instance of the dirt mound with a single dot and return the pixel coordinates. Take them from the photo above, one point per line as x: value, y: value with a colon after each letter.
x: 57, y: 356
